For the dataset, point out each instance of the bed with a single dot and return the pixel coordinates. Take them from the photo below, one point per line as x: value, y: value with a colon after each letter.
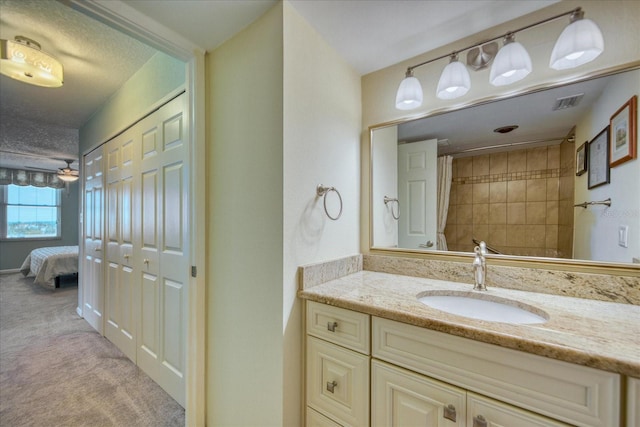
x: 49, y: 263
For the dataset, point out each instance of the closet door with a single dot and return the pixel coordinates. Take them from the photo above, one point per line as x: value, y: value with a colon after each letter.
x: 92, y: 262
x: 121, y: 258
x: 164, y: 252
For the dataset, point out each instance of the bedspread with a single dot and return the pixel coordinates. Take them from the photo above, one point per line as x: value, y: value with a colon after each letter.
x: 48, y: 263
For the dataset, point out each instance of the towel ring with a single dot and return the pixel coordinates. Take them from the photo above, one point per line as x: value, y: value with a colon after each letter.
x: 387, y: 200
x: 321, y: 191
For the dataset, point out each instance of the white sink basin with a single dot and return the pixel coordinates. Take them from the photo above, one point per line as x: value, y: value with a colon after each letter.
x: 483, y: 306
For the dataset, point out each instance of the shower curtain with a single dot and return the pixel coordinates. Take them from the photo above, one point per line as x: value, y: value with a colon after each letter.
x: 444, y: 188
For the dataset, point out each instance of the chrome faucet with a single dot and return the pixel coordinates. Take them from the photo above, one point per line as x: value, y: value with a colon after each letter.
x: 480, y: 267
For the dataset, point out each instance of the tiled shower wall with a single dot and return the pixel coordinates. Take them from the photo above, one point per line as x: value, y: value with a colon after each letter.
x: 520, y: 202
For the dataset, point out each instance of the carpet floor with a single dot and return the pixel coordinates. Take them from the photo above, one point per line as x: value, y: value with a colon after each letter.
x: 56, y: 370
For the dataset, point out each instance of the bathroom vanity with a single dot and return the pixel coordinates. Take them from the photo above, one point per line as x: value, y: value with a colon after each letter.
x: 376, y: 355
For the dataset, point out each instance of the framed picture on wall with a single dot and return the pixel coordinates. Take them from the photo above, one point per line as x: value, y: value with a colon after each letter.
x: 623, y: 138
x: 598, y: 154
x: 581, y: 159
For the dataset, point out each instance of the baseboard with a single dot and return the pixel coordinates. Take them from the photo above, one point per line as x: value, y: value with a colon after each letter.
x: 10, y: 271
x: 79, y: 311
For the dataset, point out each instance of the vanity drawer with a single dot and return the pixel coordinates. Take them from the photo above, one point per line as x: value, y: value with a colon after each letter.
x: 344, y: 327
x: 482, y: 411
x: 316, y: 419
x: 338, y: 382
x: 575, y: 394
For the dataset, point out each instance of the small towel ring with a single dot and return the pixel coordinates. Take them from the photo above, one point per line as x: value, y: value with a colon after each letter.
x: 387, y: 200
x: 321, y: 191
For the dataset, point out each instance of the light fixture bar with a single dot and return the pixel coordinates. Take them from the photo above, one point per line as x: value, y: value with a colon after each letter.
x: 500, y: 37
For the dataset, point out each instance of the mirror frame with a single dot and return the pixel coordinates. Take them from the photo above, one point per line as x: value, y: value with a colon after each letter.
x: 583, y: 266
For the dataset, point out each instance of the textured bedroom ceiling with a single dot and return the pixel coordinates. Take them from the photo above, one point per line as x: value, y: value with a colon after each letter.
x: 370, y: 34
x: 42, y: 122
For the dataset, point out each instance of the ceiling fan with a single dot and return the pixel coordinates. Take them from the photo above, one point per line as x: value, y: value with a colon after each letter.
x: 68, y: 174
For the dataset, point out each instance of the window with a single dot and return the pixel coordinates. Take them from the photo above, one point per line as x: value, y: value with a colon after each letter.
x: 29, y: 212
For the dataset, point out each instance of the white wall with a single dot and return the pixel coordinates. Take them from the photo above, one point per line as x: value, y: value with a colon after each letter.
x: 322, y: 117
x: 596, y: 228
x: 385, y: 183
x: 245, y: 227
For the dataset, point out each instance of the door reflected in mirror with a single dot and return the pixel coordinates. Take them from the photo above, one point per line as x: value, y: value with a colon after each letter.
x: 505, y: 172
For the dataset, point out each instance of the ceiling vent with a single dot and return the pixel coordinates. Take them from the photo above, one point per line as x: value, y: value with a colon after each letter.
x: 567, y: 102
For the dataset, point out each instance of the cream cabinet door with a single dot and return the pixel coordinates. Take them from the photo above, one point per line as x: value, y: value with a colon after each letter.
x: 633, y: 402
x: 338, y: 382
x: 485, y: 412
x: 400, y: 398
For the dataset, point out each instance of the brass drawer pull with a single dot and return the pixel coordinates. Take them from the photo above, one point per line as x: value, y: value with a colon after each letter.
x: 332, y: 385
x: 331, y: 326
x: 450, y: 413
x: 479, y: 421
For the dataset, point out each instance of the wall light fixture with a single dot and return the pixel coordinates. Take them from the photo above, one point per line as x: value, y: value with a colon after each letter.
x: 579, y: 43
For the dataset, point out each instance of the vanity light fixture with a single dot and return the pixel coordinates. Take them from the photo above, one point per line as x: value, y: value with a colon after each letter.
x: 579, y: 43
x: 512, y: 63
x: 22, y: 59
x: 409, y: 94
x: 454, y: 81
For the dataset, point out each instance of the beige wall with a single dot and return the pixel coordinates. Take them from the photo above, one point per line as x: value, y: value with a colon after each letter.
x: 146, y: 89
x: 510, y: 200
x: 322, y: 116
x: 284, y: 115
x: 244, y: 215
x: 617, y: 19
x: 596, y: 235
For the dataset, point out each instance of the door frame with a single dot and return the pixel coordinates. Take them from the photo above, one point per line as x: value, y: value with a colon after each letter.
x: 128, y: 20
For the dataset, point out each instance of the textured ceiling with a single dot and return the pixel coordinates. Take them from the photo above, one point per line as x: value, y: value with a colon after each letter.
x: 369, y: 34
x: 97, y: 60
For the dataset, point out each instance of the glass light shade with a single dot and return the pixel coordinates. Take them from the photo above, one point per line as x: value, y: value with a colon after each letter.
x: 67, y: 178
x: 29, y: 64
x: 409, y: 94
x: 68, y: 174
x: 454, y: 81
x: 580, y: 42
x: 512, y: 63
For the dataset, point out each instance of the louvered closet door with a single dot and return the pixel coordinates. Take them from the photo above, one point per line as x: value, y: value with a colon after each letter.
x: 92, y: 263
x: 122, y: 263
x: 164, y: 252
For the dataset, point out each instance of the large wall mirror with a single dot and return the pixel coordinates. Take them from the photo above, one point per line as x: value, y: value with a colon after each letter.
x: 511, y: 172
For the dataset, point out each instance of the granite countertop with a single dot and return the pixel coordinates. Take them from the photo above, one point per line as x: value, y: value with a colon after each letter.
x: 602, y: 335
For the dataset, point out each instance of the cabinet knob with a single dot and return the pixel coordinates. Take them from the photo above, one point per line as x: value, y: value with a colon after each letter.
x: 98, y: 249
x: 479, y: 421
x: 331, y: 386
x: 450, y: 413
x: 331, y: 326
x: 146, y: 261
x: 126, y: 256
